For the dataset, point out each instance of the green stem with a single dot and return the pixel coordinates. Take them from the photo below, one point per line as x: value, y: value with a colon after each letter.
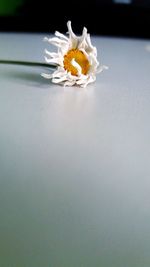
x: 26, y: 63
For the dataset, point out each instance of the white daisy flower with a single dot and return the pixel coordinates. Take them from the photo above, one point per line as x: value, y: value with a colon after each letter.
x: 76, y: 59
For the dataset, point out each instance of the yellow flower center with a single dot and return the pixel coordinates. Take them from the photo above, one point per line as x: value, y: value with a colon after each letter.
x: 80, y: 58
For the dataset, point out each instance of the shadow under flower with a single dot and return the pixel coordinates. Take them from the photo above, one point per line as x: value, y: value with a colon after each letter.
x: 31, y: 78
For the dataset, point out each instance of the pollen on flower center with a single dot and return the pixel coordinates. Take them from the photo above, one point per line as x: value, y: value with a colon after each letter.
x: 80, y: 58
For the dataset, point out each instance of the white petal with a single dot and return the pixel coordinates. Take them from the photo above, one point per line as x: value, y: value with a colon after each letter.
x: 52, y: 60
x: 58, y: 34
x: 84, y: 52
x: 71, y: 77
x: 73, y: 39
x: 84, y: 32
x: 71, y: 33
x: 82, y: 40
x: 56, y: 41
x: 90, y: 47
x: 47, y: 76
x: 46, y: 39
x: 77, y: 66
x: 51, y: 54
x: 101, y: 68
x: 93, y: 63
x: 59, y: 80
x: 69, y: 83
x: 90, y: 79
x: 59, y: 74
x: 81, y: 81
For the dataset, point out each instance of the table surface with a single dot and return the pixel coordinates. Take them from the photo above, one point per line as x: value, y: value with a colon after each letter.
x: 75, y: 163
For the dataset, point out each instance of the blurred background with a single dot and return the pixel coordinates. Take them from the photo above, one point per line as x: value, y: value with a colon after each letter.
x: 102, y: 17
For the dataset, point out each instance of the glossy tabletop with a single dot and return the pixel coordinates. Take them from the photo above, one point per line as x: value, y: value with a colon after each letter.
x: 75, y: 163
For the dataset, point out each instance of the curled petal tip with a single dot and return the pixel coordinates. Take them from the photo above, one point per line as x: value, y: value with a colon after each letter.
x: 69, y: 23
x: 84, y: 30
x: 45, y: 39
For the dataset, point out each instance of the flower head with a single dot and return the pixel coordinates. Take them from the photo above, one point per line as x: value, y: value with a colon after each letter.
x: 76, y: 59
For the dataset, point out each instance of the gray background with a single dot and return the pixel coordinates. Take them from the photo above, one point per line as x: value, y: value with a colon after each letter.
x: 75, y: 163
